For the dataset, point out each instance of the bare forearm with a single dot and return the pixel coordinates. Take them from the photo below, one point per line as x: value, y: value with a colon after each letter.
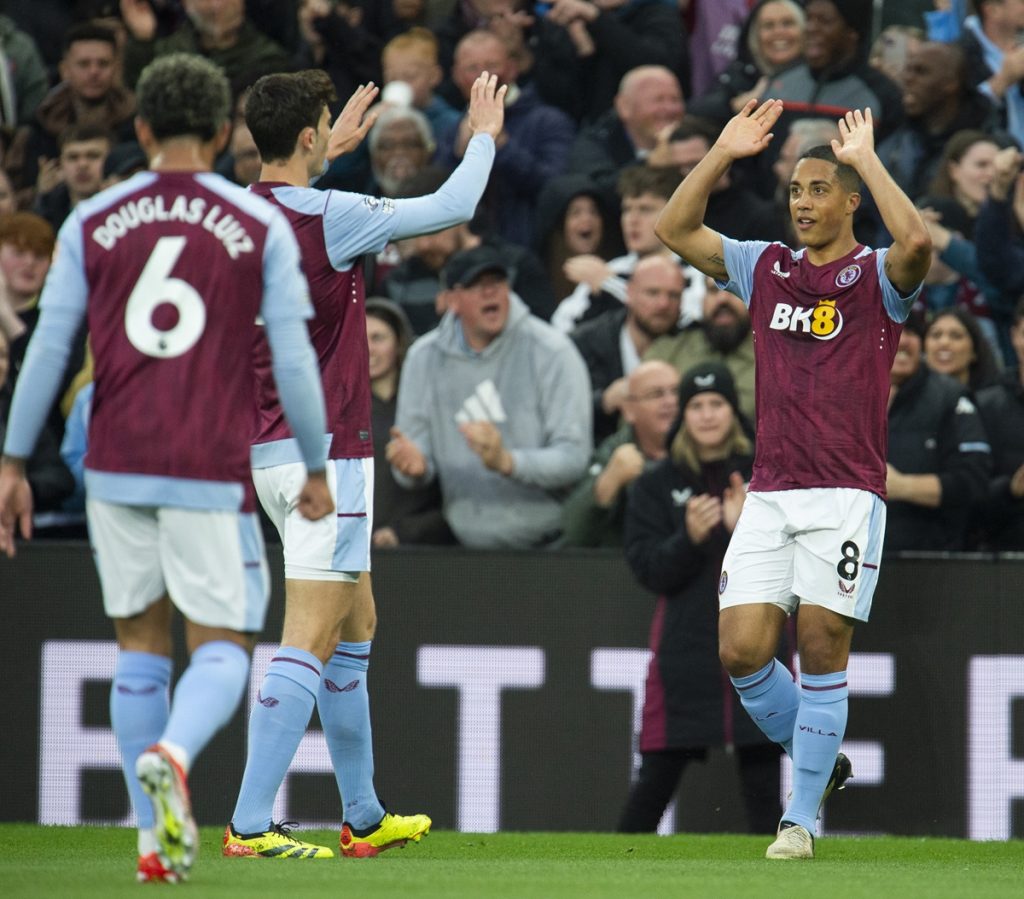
x: 684, y: 214
x: 899, y: 214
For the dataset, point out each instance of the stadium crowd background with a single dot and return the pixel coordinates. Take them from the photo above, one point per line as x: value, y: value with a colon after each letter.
x: 614, y: 101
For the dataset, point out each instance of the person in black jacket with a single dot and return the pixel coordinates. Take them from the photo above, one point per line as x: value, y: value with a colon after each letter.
x: 1002, y: 410
x: 679, y: 518
x: 939, y: 456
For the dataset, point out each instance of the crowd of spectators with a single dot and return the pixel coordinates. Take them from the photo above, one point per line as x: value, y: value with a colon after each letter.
x: 550, y: 333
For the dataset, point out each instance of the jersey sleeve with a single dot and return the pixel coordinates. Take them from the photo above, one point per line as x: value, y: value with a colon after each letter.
x: 740, y: 258
x: 62, y: 308
x: 896, y: 305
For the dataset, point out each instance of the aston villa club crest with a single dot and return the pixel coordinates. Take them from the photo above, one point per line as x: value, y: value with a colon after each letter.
x: 847, y: 276
x: 723, y: 582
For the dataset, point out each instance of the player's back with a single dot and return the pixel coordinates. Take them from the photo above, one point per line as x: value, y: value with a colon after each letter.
x: 338, y: 331
x: 824, y: 344
x: 173, y: 262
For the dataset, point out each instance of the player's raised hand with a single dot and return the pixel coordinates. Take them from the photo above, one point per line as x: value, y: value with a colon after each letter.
x: 749, y: 131
x: 15, y: 505
x: 856, y: 142
x: 315, y: 497
x: 354, y: 122
x: 487, y: 105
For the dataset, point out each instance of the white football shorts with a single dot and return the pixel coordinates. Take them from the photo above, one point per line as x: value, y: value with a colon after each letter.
x: 822, y: 546
x: 210, y: 562
x: 335, y: 548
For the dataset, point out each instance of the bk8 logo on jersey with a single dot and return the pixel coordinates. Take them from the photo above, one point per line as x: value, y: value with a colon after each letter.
x: 822, y: 321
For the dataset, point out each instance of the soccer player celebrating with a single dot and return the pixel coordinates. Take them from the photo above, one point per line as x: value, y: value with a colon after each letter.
x: 330, y: 614
x: 827, y: 320
x: 172, y: 268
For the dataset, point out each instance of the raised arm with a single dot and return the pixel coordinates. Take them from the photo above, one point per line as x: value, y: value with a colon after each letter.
x: 910, y: 255
x: 681, y: 223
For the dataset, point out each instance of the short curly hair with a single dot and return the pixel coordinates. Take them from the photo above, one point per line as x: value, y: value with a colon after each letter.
x: 182, y: 94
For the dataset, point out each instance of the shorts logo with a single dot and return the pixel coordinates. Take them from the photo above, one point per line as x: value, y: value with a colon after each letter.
x: 846, y: 591
x: 723, y: 582
x: 823, y: 321
x: 847, y: 276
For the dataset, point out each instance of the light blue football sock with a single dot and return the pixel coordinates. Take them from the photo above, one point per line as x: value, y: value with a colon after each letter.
x: 206, y: 697
x: 344, y: 707
x: 139, y: 706
x: 820, y: 725
x: 771, y: 698
x: 276, y: 725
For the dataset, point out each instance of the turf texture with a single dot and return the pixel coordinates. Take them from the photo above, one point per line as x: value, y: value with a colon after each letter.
x: 99, y: 862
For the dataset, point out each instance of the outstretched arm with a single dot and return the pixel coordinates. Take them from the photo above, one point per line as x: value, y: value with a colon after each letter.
x: 681, y: 223
x: 910, y: 255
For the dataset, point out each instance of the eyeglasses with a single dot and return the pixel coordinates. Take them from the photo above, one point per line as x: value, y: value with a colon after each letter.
x: 655, y: 394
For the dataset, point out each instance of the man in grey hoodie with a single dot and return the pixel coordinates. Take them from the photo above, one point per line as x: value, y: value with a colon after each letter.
x: 496, y: 404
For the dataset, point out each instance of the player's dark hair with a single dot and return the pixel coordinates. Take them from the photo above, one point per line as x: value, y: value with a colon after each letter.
x: 88, y: 31
x: 845, y: 174
x: 637, y: 180
x: 182, y: 94
x: 280, y: 106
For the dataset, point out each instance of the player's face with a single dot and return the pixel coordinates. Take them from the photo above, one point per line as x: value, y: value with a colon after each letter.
x: 654, y: 295
x: 88, y: 68
x: 907, y: 358
x: 653, y: 402
x: 583, y: 227
x: 383, y: 348
x: 639, y: 216
x: 318, y: 155
x: 948, y: 347
x: 482, y: 308
x: 972, y: 175
x: 820, y: 207
x: 81, y: 163
x: 708, y: 420
x: 779, y: 34
x: 24, y: 270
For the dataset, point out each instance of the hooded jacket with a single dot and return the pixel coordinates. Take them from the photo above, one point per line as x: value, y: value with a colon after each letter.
x: 531, y: 382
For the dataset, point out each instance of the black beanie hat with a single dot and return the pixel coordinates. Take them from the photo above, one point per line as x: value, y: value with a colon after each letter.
x: 708, y: 377
x: 858, y: 15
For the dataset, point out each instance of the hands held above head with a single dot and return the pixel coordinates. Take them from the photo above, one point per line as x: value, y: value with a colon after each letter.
x: 354, y: 123
x: 315, y: 498
x: 749, y: 131
x: 856, y: 144
x: 487, y: 105
x: 484, y: 439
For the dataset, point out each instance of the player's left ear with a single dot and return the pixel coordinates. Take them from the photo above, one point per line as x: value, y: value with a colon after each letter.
x: 853, y: 203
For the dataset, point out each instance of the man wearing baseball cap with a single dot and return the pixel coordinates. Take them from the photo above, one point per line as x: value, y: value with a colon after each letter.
x: 496, y: 403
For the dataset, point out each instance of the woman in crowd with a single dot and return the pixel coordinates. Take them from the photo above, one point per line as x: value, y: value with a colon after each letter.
x: 967, y: 166
x: 771, y: 41
x: 954, y: 345
x: 679, y: 518
x: 399, y: 515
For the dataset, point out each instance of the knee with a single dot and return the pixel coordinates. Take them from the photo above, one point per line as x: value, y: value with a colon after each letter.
x: 739, y: 657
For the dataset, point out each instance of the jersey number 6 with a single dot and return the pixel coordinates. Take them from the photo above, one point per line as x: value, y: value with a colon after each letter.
x: 155, y: 288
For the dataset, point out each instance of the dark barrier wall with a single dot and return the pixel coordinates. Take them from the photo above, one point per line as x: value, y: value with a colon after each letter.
x: 504, y: 691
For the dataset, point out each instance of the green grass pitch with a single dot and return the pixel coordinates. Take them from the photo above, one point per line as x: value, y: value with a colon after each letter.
x: 99, y: 862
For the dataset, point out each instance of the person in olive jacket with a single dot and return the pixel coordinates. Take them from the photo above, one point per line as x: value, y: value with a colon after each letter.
x: 679, y: 518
